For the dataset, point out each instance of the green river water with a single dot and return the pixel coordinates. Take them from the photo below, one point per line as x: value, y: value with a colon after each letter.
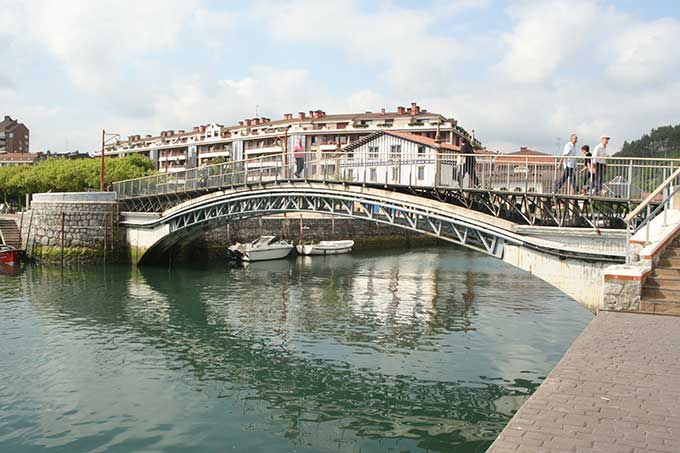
x: 427, y: 349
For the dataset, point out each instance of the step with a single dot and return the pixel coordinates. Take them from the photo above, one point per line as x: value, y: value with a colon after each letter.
x: 667, y: 272
x: 672, y: 283
x: 660, y: 306
x: 671, y: 252
x: 669, y: 262
x: 650, y: 292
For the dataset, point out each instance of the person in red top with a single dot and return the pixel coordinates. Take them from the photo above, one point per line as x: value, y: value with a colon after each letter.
x: 299, y: 156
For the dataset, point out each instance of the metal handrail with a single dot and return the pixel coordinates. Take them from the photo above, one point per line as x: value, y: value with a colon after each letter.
x: 635, y: 212
x: 628, y: 179
x: 667, y: 191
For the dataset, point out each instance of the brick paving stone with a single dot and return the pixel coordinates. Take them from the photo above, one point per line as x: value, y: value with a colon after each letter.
x: 617, y: 389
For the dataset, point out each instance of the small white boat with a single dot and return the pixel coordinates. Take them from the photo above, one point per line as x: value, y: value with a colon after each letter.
x: 325, y: 248
x: 261, y: 249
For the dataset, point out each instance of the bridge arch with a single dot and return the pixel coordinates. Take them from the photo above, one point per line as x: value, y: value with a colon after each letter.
x: 152, y: 237
x: 457, y: 225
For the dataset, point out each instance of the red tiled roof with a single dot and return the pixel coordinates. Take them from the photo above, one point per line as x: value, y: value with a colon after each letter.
x: 525, y: 154
x: 18, y: 157
x: 422, y: 140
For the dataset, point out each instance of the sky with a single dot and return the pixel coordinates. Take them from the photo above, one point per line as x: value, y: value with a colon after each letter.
x: 520, y: 73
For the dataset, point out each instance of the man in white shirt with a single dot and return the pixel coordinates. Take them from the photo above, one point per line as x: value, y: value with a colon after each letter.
x: 568, y: 164
x: 600, y: 161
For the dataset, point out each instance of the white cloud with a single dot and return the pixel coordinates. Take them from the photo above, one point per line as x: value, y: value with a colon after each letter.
x: 98, y: 41
x: 401, y: 42
x: 563, y: 66
x: 645, y: 53
x: 547, y: 35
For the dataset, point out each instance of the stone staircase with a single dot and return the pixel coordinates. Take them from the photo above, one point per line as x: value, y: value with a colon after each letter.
x: 9, y: 233
x: 661, y: 290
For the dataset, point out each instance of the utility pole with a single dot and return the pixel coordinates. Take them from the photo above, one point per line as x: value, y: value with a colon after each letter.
x: 105, y: 140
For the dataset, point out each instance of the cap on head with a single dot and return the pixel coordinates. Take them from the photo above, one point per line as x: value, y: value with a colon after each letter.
x: 605, y: 136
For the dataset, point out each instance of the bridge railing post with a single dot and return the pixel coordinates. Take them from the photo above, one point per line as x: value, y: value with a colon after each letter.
x: 526, y: 174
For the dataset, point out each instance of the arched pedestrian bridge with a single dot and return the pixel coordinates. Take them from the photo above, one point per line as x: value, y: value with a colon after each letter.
x: 563, y: 238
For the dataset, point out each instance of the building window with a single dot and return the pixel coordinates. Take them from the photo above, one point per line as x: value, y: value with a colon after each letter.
x: 313, y: 169
x: 395, y: 173
x: 373, y: 175
x: 421, y: 173
x: 372, y: 152
x: 396, y: 149
x: 349, y: 174
x: 350, y: 155
x: 313, y: 139
x: 421, y: 149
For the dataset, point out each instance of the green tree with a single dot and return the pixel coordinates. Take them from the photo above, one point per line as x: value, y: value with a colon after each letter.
x: 63, y: 175
x: 661, y: 142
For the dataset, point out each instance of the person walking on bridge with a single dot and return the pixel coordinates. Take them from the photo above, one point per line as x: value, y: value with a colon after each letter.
x: 600, y: 162
x: 469, y: 166
x: 299, y: 156
x: 588, y: 168
x: 568, y: 164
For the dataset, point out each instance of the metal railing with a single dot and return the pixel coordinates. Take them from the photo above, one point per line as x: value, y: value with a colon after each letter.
x: 630, y: 179
x: 642, y: 216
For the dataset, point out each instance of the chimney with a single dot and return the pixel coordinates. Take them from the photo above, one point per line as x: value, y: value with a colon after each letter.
x: 288, y: 116
x: 301, y: 115
x: 240, y: 123
x: 320, y: 113
x: 181, y: 131
x: 197, y: 129
x: 7, y: 118
x: 382, y: 111
x: 401, y: 110
x: 522, y: 148
x: 414, y: 108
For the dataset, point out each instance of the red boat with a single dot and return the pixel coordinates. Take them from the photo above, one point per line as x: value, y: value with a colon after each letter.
x: 9, y: 255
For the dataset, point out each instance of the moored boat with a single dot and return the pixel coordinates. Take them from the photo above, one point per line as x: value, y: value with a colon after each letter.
x: 325, y: 248
x: 261, y: 249
x: 9, y: 255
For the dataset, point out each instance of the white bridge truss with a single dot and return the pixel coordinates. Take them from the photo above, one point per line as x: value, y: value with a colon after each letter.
x: 412, y: 217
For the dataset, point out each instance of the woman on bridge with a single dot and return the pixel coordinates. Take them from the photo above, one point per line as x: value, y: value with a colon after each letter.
x: 299, y: 156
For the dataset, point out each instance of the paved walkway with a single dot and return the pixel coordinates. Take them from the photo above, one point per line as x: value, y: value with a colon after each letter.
x: 617, y: 389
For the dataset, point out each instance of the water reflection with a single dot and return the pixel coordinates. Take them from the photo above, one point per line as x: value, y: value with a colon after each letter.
x: 422, y: 350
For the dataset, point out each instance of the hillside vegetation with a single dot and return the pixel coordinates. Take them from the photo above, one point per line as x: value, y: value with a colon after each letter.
x: 661, y: 142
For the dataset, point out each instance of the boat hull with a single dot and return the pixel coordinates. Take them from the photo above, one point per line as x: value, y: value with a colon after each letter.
x: 9, y: 257
x: 326, y: 248
x: 266, y: 255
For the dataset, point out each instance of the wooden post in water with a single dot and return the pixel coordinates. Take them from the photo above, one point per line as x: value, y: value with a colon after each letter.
x: 28, y: 234
x: 300, y: 228
x: 63, y: 216
x: 106, y: 235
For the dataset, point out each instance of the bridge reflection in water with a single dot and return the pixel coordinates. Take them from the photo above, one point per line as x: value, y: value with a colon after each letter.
x: 423, y: 350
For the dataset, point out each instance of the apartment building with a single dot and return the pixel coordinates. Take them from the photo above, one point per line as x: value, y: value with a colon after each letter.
x: 261, y: 139
x: 14, y: 136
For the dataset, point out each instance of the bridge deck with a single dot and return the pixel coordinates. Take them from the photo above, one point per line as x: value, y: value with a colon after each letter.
x: 615, y: 390
x: 530, y: 208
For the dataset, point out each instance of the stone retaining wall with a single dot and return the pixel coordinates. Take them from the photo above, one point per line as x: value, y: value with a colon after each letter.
x: 307, y: 229
x: 80, y: 227
x: 211, y: 245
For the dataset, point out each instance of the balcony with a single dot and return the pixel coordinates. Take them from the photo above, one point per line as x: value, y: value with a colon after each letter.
x: 265, y: 150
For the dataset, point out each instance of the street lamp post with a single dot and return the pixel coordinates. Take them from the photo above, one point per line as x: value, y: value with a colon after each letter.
x: 106, y: 138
